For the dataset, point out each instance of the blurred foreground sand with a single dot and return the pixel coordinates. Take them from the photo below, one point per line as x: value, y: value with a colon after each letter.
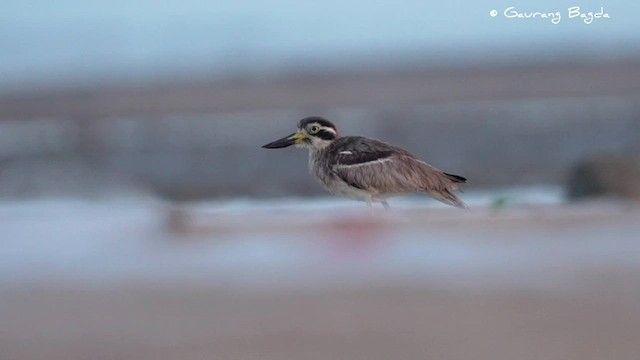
x: 538, y: 282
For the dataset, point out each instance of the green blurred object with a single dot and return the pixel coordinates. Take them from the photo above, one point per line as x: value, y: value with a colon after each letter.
x: 500, y: 203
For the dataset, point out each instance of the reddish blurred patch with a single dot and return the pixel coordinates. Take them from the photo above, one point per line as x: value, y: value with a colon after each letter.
x: 359, y: 236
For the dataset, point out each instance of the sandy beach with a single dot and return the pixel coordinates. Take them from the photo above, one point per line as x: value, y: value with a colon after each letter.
x: 528, y: 282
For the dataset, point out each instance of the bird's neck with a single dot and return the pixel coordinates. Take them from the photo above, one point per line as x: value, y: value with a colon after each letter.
x: 319, y: 145
x: 316, y: 154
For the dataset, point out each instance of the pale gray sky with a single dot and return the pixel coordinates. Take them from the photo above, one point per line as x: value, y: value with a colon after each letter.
x: 77, y: 41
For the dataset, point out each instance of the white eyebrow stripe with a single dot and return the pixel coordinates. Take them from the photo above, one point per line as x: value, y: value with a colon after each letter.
x: 346, y: 152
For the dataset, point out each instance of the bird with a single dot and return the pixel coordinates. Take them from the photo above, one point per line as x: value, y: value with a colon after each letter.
x: 366, y: 169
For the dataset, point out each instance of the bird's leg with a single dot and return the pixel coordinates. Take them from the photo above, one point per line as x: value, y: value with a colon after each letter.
x: 370, y: 206
x: 386, y: 205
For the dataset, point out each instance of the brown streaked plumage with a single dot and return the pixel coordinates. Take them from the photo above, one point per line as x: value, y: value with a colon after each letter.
x: 367, y: 169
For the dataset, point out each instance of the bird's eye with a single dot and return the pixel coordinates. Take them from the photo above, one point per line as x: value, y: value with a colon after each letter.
x: 314, y: 129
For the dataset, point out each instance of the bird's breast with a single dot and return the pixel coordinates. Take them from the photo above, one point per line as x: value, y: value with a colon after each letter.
x: 321, y: 169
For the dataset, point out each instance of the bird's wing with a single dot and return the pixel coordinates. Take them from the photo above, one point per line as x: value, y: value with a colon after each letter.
x: 382, y: 168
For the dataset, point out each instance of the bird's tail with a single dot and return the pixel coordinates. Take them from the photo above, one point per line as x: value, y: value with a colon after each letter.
x: 456, y: 178
x: 447, y: 197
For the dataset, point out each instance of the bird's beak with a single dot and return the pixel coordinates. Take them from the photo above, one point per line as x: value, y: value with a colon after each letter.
x: 292, y: 139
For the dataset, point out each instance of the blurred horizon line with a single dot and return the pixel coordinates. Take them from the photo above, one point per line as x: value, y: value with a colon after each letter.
x: 338, y: 87
x: 440, y: 59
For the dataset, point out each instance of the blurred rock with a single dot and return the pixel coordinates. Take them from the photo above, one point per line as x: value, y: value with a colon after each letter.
x: 606, y: 175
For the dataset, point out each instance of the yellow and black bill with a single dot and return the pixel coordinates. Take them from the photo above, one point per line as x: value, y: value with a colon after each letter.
x: 293, y: 139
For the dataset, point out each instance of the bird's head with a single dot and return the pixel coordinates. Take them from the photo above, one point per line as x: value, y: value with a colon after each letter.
x: 314, y: 133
